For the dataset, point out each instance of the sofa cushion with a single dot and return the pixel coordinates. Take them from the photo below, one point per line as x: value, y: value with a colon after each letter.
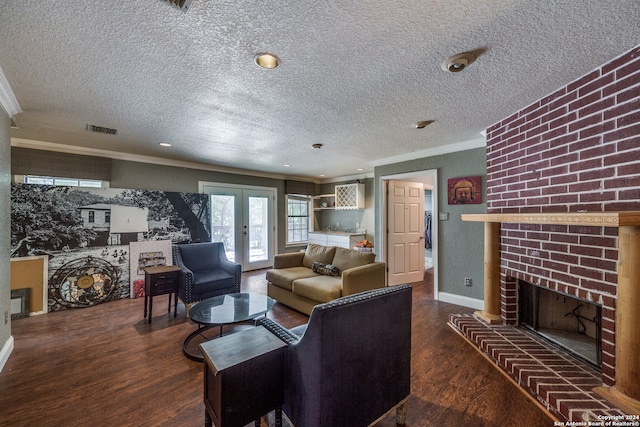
x: 325, y: 269
x: 284, y: 277
x: 318, y: 288
x: 318, y: 253
x: 345, y: 259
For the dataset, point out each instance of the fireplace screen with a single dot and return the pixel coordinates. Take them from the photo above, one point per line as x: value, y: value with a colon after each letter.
x: 568, y: 322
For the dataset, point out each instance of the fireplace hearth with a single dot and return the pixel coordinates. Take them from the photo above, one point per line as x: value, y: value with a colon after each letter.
x: 571, y: 324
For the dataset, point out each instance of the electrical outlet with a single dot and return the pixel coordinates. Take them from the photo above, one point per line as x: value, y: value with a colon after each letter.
x: 467, y: 281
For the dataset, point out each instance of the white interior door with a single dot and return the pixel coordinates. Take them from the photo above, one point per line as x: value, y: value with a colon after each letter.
x: 405, y: 237
x: 243, y: 218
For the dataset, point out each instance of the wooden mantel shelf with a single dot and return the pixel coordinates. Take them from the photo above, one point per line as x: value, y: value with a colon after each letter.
x: 596, y: 219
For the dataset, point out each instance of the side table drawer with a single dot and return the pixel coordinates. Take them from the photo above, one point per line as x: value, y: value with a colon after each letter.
x: 163, y: 283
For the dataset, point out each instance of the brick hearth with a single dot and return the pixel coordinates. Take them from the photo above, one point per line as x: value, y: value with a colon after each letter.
x: 560, y: 383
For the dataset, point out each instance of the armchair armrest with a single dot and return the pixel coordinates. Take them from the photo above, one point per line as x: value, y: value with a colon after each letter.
x: 186, y: 272
x: 279, y: 331
x: 234, y: 269
x: 363, y: 278
x: 293, y: 259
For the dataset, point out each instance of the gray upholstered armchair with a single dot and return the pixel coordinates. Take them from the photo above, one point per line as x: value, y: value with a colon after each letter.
x: 206, y: 271
x: 351, y: 363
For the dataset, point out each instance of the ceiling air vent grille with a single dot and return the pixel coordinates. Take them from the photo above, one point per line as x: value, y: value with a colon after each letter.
x: 183, y: 5
x: 102, y: 129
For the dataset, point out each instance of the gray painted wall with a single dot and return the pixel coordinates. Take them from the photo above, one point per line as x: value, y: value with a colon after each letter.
x: 5, y: 227
x: 125, y: 174
x: 460, y: 244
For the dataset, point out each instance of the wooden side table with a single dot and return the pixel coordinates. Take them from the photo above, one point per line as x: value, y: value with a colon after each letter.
x: 243, y: 378
x: 161, y: 280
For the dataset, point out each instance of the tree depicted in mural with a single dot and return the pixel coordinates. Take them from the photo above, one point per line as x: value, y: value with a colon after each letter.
x: 187, y: 212
x: 44, y: 218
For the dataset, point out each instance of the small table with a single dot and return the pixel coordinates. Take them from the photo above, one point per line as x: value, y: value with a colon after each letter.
x: 161, y: 280
x: 243, y: 378
x: 224, y: 310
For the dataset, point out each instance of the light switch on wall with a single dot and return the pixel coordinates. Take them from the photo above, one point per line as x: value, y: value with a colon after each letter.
x: 444, y: 216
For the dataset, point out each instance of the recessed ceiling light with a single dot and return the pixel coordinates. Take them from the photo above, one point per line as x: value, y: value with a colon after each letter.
x: 459, y: 62
x: 287, y: 166
x: 165, y: 144
x: 322, y: 174
x: 360, y: 169
x: 267, y: 60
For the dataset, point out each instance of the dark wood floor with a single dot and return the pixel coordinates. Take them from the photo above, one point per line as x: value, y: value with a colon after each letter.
x: 105, y: 366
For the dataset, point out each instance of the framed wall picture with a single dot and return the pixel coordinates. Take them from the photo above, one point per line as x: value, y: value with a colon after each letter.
x: 465, y: 191
x: 19, y: 303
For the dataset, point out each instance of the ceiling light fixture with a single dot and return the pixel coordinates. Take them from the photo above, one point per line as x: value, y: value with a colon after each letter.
x: 459, y: 62
x: 165, y: 144
x: 422, y: 124
x: 267, y: 60
x: 287, y: 166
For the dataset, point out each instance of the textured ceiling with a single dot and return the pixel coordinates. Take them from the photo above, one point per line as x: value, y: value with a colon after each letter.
x: 354, y: 75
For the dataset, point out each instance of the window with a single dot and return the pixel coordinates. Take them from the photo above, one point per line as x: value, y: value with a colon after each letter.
x: 62, y: 182
x: 297, y: 219
x: 92, y: 216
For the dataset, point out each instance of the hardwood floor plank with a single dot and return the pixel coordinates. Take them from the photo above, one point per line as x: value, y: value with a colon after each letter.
x: 106, y: 366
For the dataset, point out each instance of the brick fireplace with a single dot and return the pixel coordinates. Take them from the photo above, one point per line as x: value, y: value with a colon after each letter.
x: 563, y: 174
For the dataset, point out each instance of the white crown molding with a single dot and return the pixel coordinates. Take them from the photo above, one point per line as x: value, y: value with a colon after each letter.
x: 8, y: 100
x: 430, y: 152
x: 72, y: 149
x: 347, y: 178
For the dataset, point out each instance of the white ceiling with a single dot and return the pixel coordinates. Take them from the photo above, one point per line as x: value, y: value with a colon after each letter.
x: 355, y: 75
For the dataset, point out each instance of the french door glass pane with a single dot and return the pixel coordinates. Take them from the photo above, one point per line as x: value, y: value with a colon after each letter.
x: 223, y: 223
x: 258, y: 229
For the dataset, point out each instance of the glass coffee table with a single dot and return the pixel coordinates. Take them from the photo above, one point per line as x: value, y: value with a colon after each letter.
x: 223, y: 310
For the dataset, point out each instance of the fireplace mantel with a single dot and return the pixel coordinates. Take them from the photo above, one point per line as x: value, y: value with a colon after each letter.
x: 626, y: 392
x: 595, y: 219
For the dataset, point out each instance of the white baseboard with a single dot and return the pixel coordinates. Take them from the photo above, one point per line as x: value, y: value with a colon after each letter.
x: 7, y: 349
x: 476, y: 304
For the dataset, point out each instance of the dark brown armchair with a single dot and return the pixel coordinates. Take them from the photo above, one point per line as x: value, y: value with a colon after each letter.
x: 351, y: 363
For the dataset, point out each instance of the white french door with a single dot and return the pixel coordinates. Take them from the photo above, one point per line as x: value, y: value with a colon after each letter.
x: 243, y: 218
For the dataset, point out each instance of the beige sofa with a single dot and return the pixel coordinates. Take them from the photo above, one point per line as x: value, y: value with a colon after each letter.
x: 292, y: 281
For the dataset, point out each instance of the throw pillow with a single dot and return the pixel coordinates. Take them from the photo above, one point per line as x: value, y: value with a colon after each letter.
x: 318, y: 253
x: 325, y: 269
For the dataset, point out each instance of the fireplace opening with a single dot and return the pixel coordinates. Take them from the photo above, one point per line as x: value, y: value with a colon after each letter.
x: 570, y: 323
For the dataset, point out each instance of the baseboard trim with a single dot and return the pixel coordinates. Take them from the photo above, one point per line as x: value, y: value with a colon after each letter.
x: 476, y: 304
x: 7, y: 349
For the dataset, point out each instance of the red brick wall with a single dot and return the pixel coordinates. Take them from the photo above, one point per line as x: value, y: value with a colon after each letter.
x: 577, y: 149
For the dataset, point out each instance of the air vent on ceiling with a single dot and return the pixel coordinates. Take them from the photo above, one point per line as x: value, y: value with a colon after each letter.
x: 102, y: 129
x: 183, y: 5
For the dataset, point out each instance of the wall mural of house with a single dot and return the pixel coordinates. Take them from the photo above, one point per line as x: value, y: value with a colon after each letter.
x: 88, y: 236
